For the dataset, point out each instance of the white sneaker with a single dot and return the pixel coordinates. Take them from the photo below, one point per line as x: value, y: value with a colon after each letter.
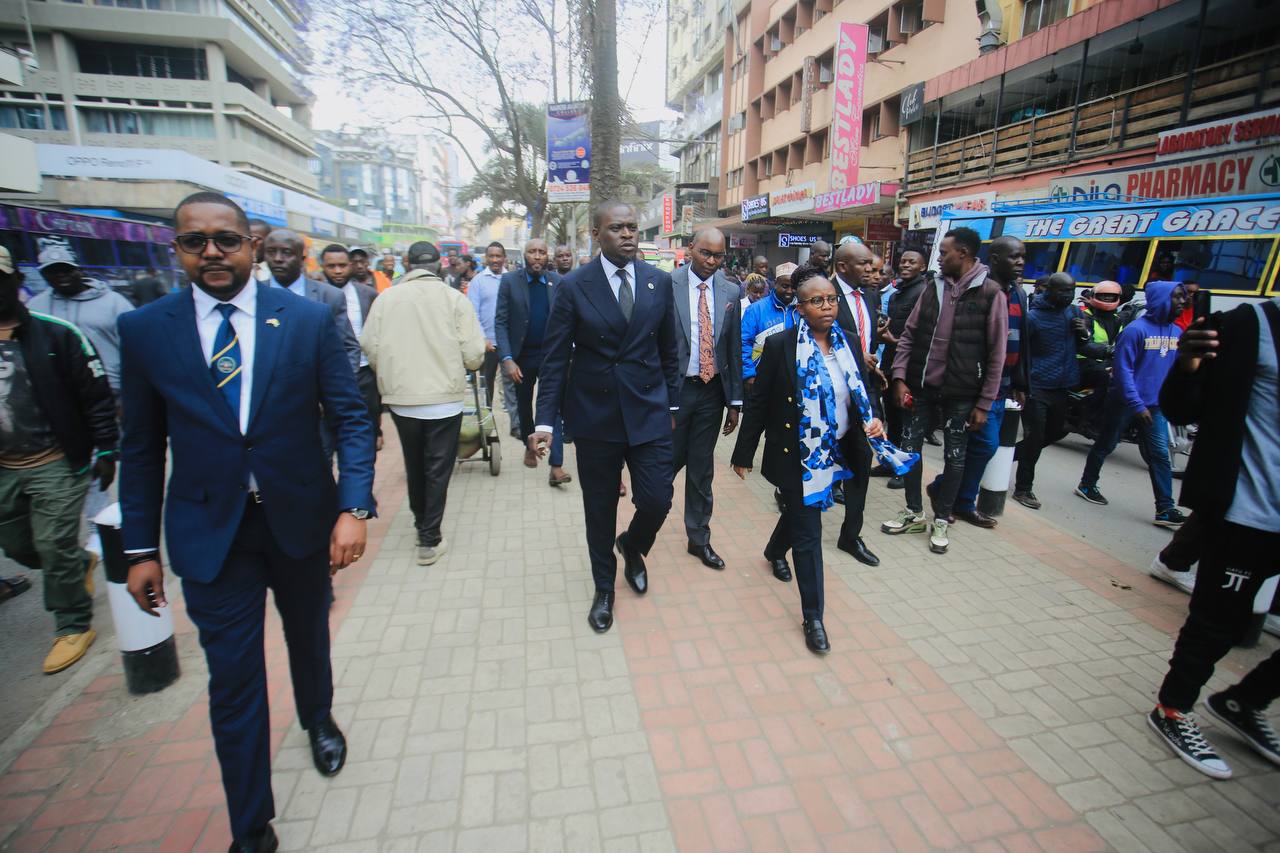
x: 938, y: 539
x: 1272, y: 624
x: 1185, y: 581
x: 428, y: 554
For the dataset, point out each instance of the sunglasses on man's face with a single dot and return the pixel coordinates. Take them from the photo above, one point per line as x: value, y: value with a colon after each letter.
x: 228, y: 242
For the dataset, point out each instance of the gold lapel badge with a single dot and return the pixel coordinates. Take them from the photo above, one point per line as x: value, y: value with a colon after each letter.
x: 272, y: 321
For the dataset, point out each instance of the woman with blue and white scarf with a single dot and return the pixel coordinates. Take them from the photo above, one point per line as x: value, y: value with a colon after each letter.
x: 811, y: 403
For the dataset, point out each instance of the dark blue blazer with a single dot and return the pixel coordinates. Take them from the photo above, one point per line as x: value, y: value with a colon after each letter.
x: 170, y: 404
x: 609, y: 379
x: 511, y: 317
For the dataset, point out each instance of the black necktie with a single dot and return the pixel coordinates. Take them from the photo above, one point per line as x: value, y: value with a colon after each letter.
x: 626, y: 299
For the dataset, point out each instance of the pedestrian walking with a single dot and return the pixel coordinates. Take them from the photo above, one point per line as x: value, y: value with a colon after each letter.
x: 1145, y: 352
x: 285, y: 252
x: 227, y: 378
x: 765, y: 317
x: 951, y: 354
x: 912, y: 277
x: 338, y: 266
x: 483, y: 294
x: 1227, y: 380
x: 615, y: 319
x: 422, y: 337
x: 57, y: 434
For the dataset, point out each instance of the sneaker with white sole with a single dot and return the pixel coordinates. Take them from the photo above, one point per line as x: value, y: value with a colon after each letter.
x: 1247, y: 722
x: 1092, y: 494
x: 1185, y: 581
x: 908, y: 521
x: 939, y: 541
x: 1171, y: 518
x: 428, y: 554
x: 1181, y: 732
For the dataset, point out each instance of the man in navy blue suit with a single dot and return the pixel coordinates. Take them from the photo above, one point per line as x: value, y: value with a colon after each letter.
x: 230, y: 377
x: 611, y: 369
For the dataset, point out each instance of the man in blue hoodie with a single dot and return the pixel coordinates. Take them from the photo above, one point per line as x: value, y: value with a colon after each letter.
x: 775, y: 312
x: 1145, y: 351
x: 1055, y: 331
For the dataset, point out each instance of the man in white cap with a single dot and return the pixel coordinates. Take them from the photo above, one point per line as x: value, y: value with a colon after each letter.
x: 765, y: 316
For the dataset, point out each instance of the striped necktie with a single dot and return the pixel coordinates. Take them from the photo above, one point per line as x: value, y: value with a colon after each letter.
x: 225, y: 365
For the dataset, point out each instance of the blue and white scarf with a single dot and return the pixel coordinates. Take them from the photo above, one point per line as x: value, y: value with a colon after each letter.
x: 820, y: 450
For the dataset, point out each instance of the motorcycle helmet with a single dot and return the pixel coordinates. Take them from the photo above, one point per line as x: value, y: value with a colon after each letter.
x: 1104, y: 297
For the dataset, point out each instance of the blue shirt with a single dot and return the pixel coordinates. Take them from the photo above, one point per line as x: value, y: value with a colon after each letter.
x: 483, y: 293
x: 761, y: 319
x: 539, y: 311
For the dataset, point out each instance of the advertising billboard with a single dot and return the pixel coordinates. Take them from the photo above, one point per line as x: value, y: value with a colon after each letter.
x: 569, y: 151
x: 793, y: 199
x: 846, y: 121
x: 1242, y: 173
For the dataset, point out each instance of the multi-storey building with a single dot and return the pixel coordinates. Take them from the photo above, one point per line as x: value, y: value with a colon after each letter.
x: 371, y: 172
x: 147, y: 99
x: 440, y: 184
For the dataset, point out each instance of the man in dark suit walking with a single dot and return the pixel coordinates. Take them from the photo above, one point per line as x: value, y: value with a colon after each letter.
x: 284, y: 252
x: 858, y: 315
x: 611, y: 368
x: 338, y: 265
x: 709, y: 314
x: 229, y: 377
x: 520, y: 325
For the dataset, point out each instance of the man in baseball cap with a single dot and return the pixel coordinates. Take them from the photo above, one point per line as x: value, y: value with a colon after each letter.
x: 360, y: 270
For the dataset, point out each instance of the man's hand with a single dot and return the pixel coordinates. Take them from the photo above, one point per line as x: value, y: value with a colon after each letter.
x: 489, y: 346
x: 731, y: 420
x: 346, y: 543
x: 741, y: 472
x: 104, y: 471
x: 886, y: 336
x: 673, y: 421
x: 899, y: 393
x: 146, y: 585
x: 1146, y: 417
x: 877, y: 376
x: 512, y: 371
x: 1196, y: 343
x: 747, y: 383
x: 1077, y: 324
x: 874, y: 428
x: 539, y: 443
x: 977, y: 419
x: 1019, y: 397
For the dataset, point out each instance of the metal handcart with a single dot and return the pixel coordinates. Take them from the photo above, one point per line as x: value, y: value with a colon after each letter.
x: 479, y: 429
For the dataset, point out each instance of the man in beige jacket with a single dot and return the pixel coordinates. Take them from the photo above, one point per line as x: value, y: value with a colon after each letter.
x: 421, y: 337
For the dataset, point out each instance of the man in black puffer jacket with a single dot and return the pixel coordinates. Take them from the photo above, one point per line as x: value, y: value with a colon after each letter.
x: 1055, y: 331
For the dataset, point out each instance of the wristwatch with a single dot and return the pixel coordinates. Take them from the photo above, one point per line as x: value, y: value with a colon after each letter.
x: 358, y: 513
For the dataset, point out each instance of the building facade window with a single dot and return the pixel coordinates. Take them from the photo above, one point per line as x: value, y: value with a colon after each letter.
x: 1038, y: 14
x: 24, y: 117
x: 141, y: 60
x: 147, y: 124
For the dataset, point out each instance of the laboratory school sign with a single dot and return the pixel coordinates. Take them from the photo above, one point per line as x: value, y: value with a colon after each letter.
x: 1225, y: 219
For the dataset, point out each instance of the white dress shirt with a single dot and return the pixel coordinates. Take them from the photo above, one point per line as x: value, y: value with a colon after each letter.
x: 861, y: 315
x: 611, y: 275
x: 695, y: 325
x: 354, y: 315
x: 209, y: 320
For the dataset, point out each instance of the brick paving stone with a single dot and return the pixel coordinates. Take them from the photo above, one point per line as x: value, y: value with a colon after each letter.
x: 991, y: 699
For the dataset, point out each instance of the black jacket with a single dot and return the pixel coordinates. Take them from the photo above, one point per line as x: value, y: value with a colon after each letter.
x: 901, y: 303
x: 70, y: 386
x: 1217, y: 398
x: 773, y: 408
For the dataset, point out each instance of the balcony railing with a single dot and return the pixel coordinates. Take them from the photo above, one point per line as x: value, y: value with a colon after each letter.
x: 1115, y: 123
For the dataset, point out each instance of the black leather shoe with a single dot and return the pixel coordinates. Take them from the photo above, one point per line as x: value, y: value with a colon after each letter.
x: 600, y: 617
x: 707, y: 555
x: 633, y: 562
x: 328, y: 746
x: 815, y: 637
x: 976, y: 517
x: 881, y: 471
x: 896, y: 483
x: 859, y: 550
x: 781, y: 570
x: 264, y: 842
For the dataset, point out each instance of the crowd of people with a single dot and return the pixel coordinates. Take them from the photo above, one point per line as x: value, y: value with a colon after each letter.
x: 253, y: 384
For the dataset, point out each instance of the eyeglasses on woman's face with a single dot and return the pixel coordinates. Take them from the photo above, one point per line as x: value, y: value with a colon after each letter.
x: 819, y: 301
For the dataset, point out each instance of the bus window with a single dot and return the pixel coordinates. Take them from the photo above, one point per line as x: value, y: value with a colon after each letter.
x: 1042, y: 259
x: 1220, y: 265
x: 1119, y: 261
x: 93, y: 252
x: 133, y: 254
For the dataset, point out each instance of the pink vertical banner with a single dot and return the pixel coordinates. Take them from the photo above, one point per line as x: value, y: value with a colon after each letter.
x: 846, y: 121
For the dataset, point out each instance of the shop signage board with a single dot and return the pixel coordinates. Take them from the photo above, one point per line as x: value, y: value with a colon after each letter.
x: 858, y: 195
x: 1241, y: 173
x: 846, y: 122
x: 1221, y: 218
x: 668, y: 214
x: 794, y: 199
x: 1217, y: 137
x: 755, y: 207
x: 883, y: 230
x: 742, y: 241
x: 788, y: 240
x: 911, y: 104
x: 929, y: 214
x: 569, y: 151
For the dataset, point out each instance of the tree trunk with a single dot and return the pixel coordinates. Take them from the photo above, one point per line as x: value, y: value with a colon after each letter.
x: 606, y: 106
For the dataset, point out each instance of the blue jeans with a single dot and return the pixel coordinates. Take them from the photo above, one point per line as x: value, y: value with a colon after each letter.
x: 981, y: 447
x: 1116, y: 417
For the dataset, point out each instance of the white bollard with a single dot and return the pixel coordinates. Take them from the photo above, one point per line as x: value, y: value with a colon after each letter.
x: 994, y: 488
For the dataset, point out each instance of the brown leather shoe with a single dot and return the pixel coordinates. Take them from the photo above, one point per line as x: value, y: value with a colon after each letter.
x: 976, y: 517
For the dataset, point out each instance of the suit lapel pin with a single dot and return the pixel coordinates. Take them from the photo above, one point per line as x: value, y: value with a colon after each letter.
x: 651, y: 285
x: 272, y: 321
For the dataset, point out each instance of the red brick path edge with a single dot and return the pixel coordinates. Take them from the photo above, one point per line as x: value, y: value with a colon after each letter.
x: 76, y: 788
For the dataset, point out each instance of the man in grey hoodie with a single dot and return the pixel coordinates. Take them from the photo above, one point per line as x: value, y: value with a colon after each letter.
x: 90, y: 305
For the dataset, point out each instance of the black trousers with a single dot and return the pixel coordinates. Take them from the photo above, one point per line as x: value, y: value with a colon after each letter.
x: 955, y: 443
x: 229, y: 613
x: 694, y: 446
x: 600, y: 472
x: 1235, y: 564
x: 490, y: 372
x: 799, y: 529
x: 1043, y: 423
x: 1184, y: 548
x: 855, y: 493
x: 430, y: 451
x: 530, y: 362
x: 367, y: 382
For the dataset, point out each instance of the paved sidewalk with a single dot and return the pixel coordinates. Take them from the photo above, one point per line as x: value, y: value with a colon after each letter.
x: 990, y: 699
